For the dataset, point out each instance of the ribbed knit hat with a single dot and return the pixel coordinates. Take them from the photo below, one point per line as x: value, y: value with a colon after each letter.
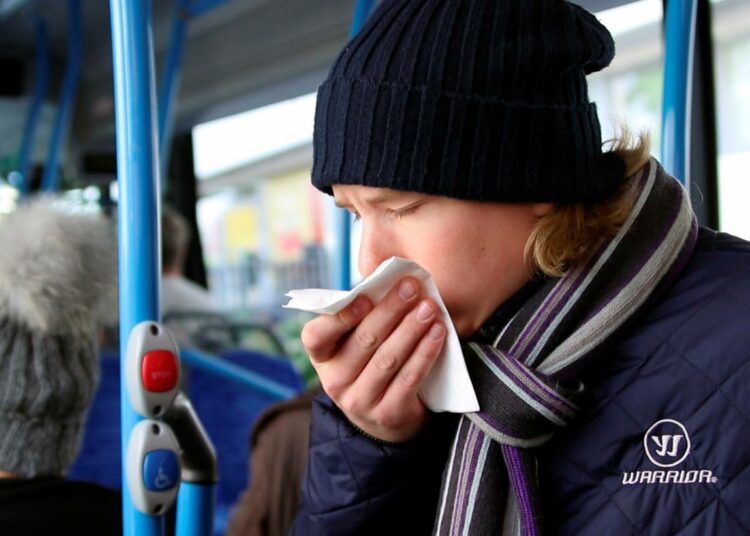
x: 473, y: 99
x: 58, y: 277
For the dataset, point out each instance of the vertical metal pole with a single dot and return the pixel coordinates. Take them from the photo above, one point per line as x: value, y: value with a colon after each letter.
x: 170, y: 81
x: 138, y: 178
x: 171, y: 75
x: 41, y: 79
x: 195, y: 506
x: 362, y: 10
x: 51, y: 177
x: 703, y: 147
x: 344, y: 277
x: 678, y: 66
x: 195, y: 500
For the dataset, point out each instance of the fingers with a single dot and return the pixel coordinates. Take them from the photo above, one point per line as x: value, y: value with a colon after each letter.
x: 322, y: 335
x: 377, y: 326
x: 389, y: 358
x: 400, y: 392
x: 372, y: 360
x: 384, y: 317
x: 346, y: 356
x: 398, y: 414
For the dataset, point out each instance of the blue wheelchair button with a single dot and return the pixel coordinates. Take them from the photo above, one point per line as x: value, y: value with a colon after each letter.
x: 161, y: 471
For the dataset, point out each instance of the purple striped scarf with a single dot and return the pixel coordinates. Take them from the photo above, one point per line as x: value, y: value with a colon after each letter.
x: 488, y: 486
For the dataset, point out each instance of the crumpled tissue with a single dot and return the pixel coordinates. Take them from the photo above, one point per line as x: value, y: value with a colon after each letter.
x: 447, y: 387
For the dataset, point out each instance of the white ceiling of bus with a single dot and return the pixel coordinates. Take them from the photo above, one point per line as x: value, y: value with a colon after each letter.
x: 242, y: 54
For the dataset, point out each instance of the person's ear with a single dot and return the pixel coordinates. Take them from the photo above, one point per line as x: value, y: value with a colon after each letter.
x: 542, y: 209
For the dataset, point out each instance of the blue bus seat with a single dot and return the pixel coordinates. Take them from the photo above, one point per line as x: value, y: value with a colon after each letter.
x: 99, y: 459
x: 228, y: 411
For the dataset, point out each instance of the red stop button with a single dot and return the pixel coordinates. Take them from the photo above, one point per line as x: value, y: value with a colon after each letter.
x: 159, y: 370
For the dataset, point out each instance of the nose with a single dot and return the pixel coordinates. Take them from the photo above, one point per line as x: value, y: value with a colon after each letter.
x: 375, y: 247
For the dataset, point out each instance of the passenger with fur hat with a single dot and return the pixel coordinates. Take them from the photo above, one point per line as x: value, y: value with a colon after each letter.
x: 58, y: 274
x: 603, y: 330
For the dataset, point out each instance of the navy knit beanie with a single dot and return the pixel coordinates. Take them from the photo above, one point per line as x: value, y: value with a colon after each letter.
x: 473, y: 99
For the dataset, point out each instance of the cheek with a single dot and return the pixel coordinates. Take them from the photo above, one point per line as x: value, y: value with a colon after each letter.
x: 475, y: 274
x: 463, y: 290
x: 455, y: 272
x: 448, y: 252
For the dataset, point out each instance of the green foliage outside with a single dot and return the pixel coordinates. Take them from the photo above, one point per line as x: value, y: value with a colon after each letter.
x: 289, y: 329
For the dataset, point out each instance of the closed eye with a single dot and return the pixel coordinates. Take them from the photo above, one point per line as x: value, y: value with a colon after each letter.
x: 405, y: 211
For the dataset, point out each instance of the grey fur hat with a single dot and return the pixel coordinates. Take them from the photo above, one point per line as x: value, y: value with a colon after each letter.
x: 58, y: 274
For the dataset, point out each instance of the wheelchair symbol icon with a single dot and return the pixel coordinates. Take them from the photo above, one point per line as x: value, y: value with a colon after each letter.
x: 162, y: 481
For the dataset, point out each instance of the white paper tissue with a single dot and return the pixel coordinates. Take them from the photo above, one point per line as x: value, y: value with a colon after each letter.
x: 448, y: 386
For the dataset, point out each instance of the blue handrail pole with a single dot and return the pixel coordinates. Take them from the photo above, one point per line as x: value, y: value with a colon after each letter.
x: 678, y: 69
x: 362, y: 10
x: 199, y: 7
x: 170, y: 81
x: 51, y: 177
x: 138, y: 206
x: 171, y: 74
x: 195, y: 505
x: 343, y: 277
x: 231, y: 371
x: 41, y: 80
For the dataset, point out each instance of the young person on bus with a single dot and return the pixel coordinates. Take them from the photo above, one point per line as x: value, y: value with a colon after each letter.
x: 58, y: 274
x: 604, y: 331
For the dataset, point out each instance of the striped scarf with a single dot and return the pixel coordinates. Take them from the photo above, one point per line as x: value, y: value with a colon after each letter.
x: 490, y: 484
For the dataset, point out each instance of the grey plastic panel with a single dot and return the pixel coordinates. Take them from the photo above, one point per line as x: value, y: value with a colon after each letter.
x: 147, y: 436
x: 145, y: 337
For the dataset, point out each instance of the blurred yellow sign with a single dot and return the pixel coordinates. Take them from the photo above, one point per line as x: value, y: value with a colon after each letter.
x: 242, y: 229
x: 287, y: 198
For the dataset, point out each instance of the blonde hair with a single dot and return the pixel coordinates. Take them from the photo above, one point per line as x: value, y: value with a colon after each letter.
x: 569, y: 234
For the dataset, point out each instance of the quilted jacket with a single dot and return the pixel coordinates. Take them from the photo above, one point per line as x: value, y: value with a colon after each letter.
x: 662, y: 446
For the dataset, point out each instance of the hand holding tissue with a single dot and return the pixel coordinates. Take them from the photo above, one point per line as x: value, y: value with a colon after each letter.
x: 448, y: 386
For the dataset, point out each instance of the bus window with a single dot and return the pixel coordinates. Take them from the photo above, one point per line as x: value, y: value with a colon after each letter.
x: 731, y: 36
x: 260, y: 220
x: 631, y: 87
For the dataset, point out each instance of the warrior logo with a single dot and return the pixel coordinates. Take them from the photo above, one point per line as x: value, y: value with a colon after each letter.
x: 667, y: 443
